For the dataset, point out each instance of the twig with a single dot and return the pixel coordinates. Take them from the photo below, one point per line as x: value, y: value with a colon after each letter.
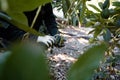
x: 26, y: 35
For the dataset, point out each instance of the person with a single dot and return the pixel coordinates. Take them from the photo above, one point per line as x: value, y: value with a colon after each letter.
x: 11, y: 33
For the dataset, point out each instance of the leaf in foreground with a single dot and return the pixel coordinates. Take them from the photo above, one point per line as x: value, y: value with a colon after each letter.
x: 15, y: 9
x: 3, y: 58
x: 26, y: 62
x: 83, y: 69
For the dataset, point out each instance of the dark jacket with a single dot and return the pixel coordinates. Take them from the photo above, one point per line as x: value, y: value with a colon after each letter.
x: 46, y: 15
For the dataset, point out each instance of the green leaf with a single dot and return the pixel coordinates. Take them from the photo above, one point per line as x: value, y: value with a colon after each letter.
x: 84, y: 68
x: 107, y: 35
x: 117, y: 4
x: 118, y: 31
x: 0, y: 4
x: 23, y: 5
x: 89, y: 23
x: 97, y: 32
x: 68, y: 3
x: 15, y: 9
x: 26, y: 62
x: 25, y: 27
x: 3, y: 58
x: 19, y: 6
x: 106, y: 4
x: 94, y: 7
x: 82, y: 11
x: 19, y: 24
x: 3, y: 4
x: 100, y: 5
x: 91, y: 31
x: 19, y: 17
x: 66, y: 6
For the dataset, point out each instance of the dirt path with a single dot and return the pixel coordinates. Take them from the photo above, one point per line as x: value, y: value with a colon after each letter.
x: 77, y: 40
x: 62, y: 58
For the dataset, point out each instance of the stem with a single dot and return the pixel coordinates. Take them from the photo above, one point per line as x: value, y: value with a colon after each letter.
x: 26, y: 35
x: 35, y: 18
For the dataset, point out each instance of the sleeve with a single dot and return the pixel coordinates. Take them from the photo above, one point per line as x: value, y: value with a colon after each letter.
x: 49, y: 19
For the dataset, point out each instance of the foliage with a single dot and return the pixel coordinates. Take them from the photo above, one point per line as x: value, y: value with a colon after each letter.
x: 27, y: 62
x: 84, y: 68
x: 24, y: 62
x: 105, y: 23
x: 104, y: 20
x: 15, y: 9
x: 107, y: 19
x: 73, y: 10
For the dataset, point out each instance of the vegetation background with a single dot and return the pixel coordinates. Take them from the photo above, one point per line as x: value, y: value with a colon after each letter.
x: 27, y: 61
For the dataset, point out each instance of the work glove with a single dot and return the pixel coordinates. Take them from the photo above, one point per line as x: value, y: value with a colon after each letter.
x: 47, y: 40
x: 50, y: 41
x: 59, y: 41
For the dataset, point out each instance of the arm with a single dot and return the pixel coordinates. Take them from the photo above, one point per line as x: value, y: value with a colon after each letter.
x: 49, y: 19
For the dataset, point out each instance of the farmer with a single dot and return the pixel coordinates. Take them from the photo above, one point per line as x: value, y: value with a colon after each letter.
x: 46, y: 18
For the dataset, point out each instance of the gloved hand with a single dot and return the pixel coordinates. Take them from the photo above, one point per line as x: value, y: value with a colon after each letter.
x: 59, y: 40
x: 47, y: 40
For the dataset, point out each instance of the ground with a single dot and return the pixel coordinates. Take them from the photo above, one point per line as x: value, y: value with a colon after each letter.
x: 77, y: 40
x: 60, y: 60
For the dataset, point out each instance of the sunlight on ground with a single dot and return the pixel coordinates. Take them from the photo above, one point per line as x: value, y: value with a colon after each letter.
x: 83, y: 41
x: 63, y: 57
x: 74, y: 45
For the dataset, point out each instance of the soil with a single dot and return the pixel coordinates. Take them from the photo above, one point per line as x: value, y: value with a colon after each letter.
x: 77, y: 40
x: 60, y: 60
